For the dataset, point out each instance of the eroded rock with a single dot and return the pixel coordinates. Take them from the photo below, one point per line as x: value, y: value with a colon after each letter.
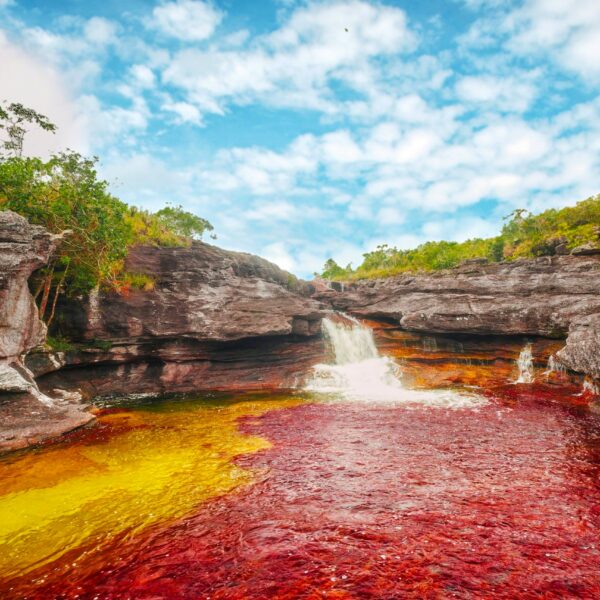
x: 26, y: 414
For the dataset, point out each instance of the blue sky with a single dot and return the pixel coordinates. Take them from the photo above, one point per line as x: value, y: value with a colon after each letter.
x: 304, y: 130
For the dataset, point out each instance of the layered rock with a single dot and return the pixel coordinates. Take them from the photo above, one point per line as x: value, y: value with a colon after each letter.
x: 26, y: 414
x: 201, y: 293
x: 525, y: 297
x: 582, y: 349
x: 540, y: 297
x: 23, y: 249
x: 214, y: 319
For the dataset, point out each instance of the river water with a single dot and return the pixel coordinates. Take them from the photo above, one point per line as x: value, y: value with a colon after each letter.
x: 353, y: 487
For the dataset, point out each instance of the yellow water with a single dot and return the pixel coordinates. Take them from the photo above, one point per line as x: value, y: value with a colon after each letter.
x: 135, y: 468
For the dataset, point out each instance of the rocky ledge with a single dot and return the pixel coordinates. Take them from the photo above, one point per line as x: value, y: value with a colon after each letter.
x: 214, y: 320
x: 554, y: 297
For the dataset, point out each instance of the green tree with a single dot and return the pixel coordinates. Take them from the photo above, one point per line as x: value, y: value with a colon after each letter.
x: 183, y: 223
x: 14, y: 121
x: 65, y: 195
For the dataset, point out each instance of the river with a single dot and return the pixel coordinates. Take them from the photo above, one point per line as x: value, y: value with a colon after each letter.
x: 353, y: 486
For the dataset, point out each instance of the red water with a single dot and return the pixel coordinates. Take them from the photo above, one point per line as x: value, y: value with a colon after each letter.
x: 359, y: 501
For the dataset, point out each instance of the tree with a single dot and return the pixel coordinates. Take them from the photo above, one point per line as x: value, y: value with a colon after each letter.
x: 14, y: 119
x: 331, y: 270
x: 183, y: 223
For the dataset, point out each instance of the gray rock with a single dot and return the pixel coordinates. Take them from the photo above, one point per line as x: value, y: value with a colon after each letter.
x: 525, y: 297
x: 26, y: 414
x: 582, y: 350
x: 23, y: 249
x: 586, y: 249
x: 201, y: 293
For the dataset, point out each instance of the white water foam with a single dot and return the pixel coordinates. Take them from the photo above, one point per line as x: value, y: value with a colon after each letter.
x: 525, y: 365
x: 360, y: 374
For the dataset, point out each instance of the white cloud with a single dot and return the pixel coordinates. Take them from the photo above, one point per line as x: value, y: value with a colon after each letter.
x: 504, y: 93
x: 280, y: 255
x: 567, y: 31
x: 100, y: 31
x: 187, y: 20
x: 22, y: 78
x: 294, y: 65
x: 142, y: 179
x: 143, y: 76
x: 185, y: 113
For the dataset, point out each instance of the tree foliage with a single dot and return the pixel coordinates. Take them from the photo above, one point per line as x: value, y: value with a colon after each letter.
x: 14, y: 120
x: 523, y: 235
x: 65, y: 195
x: 183, y: 223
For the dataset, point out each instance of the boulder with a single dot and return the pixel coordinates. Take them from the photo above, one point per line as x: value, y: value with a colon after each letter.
x: 586, y: 249
x: 582, y: 350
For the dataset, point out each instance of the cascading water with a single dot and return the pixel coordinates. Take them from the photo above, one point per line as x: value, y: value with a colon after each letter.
x: 360, y: 373
x: 525, y: 365
x: 555, y: 367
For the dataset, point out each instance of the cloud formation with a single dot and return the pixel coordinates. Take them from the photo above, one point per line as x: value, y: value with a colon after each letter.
x: 312, y: 129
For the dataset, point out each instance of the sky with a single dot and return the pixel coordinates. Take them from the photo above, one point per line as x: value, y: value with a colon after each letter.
x: 305, y: 130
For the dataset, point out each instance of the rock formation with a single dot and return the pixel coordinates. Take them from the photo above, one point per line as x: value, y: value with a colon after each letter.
x: 582, y: 350
x: 215, y: 320
x: 26, y: 414
x: 540, y: 297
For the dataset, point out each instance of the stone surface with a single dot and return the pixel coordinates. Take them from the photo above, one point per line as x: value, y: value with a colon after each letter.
x: 215, y: 320
x: 586, y: 249
x: 201, y: 292
x: 26, y: 414
x: 525, y: 297
x: 23, y: 249
x: 582, y: 349
x: 25, y: 421
x: 551, y: 297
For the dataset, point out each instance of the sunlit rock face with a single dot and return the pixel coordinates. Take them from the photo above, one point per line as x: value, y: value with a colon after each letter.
x: 540, y: 297
x: 26, y: 415
x: 23, y: 249
x: 214, y: 320
x: 202, y: 293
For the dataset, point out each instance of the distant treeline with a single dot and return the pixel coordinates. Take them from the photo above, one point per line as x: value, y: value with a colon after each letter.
x: 523, y: 235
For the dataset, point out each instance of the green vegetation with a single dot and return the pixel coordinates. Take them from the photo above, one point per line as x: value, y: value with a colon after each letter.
x: 183, y: 223
x: 59, y: 343
x: 524, y: 235
x: 65, y: 195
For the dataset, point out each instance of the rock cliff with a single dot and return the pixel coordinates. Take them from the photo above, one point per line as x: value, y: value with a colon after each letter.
x: 214, y: 320
x: 582, y: 350
x: 26, y: 415
x: 550, y: 296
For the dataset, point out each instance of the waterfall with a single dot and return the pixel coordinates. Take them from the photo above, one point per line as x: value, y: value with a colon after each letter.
x: 525, y: 365
x: 360, y: 374
x: 589, y: 387
x: 554, y: 366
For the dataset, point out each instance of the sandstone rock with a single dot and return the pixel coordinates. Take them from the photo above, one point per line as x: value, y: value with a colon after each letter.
x: 215, y: 320
x: 23, y: 249
x: 201, y: 292
x: 12, y: 381
x: 586, y: 249
x: 525, y: 297
x: 582, y: 350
